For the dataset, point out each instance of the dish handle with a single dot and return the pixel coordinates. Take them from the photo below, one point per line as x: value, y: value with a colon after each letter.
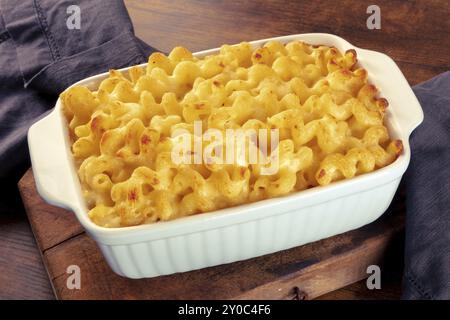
x: 51, y: 169
x: 407, y: 109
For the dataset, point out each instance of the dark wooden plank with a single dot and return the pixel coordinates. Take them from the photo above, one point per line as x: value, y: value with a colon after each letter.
x: 391, y: 276
x: 390, y: 290
x: 22, y: 273
x: 308, y: 271
x: 413, y: 33
x: 51, y: 225
x: 313, y: 269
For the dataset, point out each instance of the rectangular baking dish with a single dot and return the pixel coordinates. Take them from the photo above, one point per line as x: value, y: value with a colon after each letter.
x: 244, y: 231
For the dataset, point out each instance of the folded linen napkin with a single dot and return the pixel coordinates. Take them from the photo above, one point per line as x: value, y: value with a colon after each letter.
x: 427, y: 180
x: 40, y: 56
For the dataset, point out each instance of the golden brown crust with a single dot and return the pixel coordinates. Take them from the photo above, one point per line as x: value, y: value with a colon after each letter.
x: 329, y: 117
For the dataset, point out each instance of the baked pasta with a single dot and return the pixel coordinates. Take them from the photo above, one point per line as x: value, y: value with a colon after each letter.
x: 329, y: 121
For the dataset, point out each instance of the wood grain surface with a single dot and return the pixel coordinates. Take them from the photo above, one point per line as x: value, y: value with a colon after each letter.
x: 22, y: 274
x: 304, y: 272
x: 413, y: 33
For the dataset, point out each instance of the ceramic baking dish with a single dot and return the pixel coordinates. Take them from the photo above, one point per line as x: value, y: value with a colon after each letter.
x: 244, y: 231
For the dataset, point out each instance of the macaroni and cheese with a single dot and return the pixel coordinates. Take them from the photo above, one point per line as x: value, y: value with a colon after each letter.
x: 328, y: 117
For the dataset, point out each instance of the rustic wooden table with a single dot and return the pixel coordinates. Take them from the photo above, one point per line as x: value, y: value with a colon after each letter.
x: 413, y: 33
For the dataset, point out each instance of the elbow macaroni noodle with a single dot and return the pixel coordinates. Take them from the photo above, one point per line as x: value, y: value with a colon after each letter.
x: 141, y: 156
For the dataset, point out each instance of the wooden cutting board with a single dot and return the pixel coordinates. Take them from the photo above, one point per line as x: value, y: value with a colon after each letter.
x: 304, y: 272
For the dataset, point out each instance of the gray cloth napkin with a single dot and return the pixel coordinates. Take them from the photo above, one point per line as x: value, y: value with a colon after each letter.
x: 427, y: 180
x: 40, y: 56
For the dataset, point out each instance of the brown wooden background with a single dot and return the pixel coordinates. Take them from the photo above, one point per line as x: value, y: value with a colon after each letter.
x: 414, y: 33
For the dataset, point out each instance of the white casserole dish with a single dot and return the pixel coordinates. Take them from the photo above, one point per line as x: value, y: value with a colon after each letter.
x: 245, y: 231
